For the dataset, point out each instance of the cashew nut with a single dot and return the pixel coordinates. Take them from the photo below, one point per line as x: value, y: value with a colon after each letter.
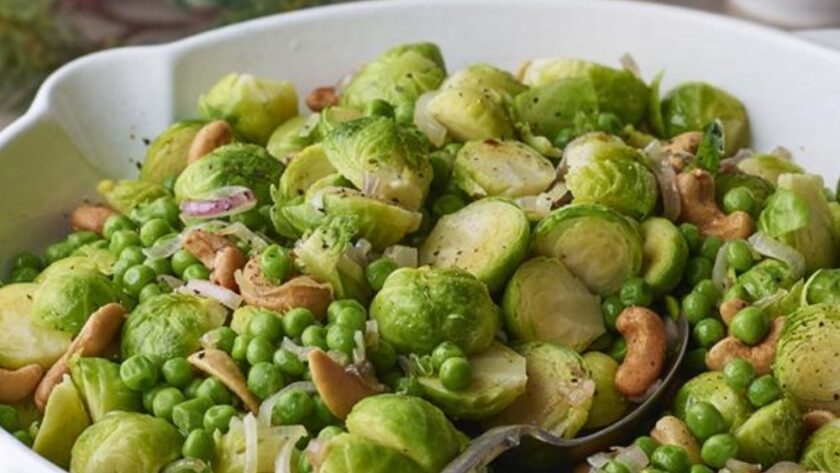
x: 211, y: 136
x: 301, y: 291
x: 16, y: 385
x: 90, y: 217
x: 687, y: 142
x: 321, y: 98
x: 341, y: 388
x: 761, y: 355
x: 670, y: 430
x: 218, y: 254
x: 96, y: 336
x: 730, y: 307
x: 697, y: 196
x: 644, y: 332
x: 220, y: 365
x: 225, y: 264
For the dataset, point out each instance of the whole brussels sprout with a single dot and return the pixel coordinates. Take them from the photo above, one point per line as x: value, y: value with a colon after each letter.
x: 598, y: 245
x: 306, y: 168
x: 558, y: 394
x: 100, y: 386
x: 806, y: 357
x: 768, y: 167
x: 489, y: 79
x: 823, y: 287
x: 86, y: 257
x: 488, y: 238
x: 471, y: 114
x: 608, y: 405
x: 254, y: 106
x: 398, y: 76
x: 348, y: 453
x: 169, y: 326
x: 26, y: 339
x: 383, y: 159
x: 555, y: 107
x: 691, y: 106
x: 711, y: 387
x: 544, y: 301
x: 418, y: 309
x: 66, y: 300
x: 291, y: 136
x: 501, y: 168
x: 409, y: 425
x: 822, y: 449
x: 65, y: 419
x: 772, y: 434
x: 231, y: 165
x: 124, y: 195
x: 167, y: 154
x: 766, y: 279
x: 127, y: 442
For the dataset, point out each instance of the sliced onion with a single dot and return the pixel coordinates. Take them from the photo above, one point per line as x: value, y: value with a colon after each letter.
x: 648, y: 393
x: 309, y: 125
x: 667, y: 179
x: 426, y: 123
x: 767, y: 246
x: 767, y: 301
x: 538, y: 206
x: 653, y: 150
x: 404, y: 256
x: 786, y: 467
x: 283, y: 462
x: 267, y: 407
x: 721, y: 268
x: 628, y: 62
x: 221, y: 203
x: 164, y: 248
x: 251, y: 444
x: 359, y: 352
x: 223, y: 295
x: 256, y: 241
x: 599, y: 460
x: 782, y: 152
x: 734, y: 161
x: 372, y: 185
x: 301, y: 352
x: 737, y: 466
x: 193, y: 465
x: 372, y: 333
x: 170, y: 281
x: 633, y: 457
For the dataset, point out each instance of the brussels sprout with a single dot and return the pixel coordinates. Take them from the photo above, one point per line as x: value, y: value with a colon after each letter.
x: 64, y: 420
x: 231, y: 165
x: 823, y: 287
x: 558, y: 394
x: 331, y: 118
x: 383, y: 159
x: 711, y: 387
x: 798, y: 215
x: 471, y: 114
x: 66, y: 300
x: 608, y: 405
x: 691, y: 106
x: 293, y: 218
x: 307, y: 167
x: 291, y: 136
x: 598, y: 245
x: 418, y: 309
x: 759, y: 187
x: 26, y: 339
x: 822, y: 449
x: 169, y: 326
x: 506, y: 168
x: 772, y: 434
x: 768, y: 167
x: 124, y: 195
x: 499, y: 377
x: 87, y: 257
x: 398, y: 76
x: 806, y: 357
x: 127, y: 442
x: 254, y: 106
x: 664, y: 254
x: 624, y: 185
x: 488, y: 238
x: 544, y: 301
x: 167, y: 155
x: 502, y: 86
x: 348, y: 453
x: 559, y: 106
x: 98, y: 382
x: 409, y: 425
x: 766, y: 279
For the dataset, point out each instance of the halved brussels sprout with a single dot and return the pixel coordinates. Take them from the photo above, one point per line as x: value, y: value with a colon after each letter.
x: 418, y: 309
x: 291, y: 136
x: 64, y: 301
x: 501, y: 168
x: 305, y: 169
x: 26, y: 339
x: 555, y: 107
x: 254, y: 106
x: 598, y: 245
x: 64, y: 420
x: 331, y: 118
x: 806, y: 357
x: 664, y: 254
x: 558, y: 394
x: 169, y: 326
x: 87, y: 257
x: 398, y: 76
x: 769, y: 167
x: 692, y: 105
x: 771, y: 435
x: 295, y: 217
x: 823, y: 287
x: 822, y: 449
x: 409, y: 425
x: 486, y: 78
x: 471, y: 114
x: 499, y: 377
x: 231, y: 447
x: 766, y: 279
x: 760, y: 188
x: 167, y: 154
x: 348, y: 453
x: 124, y: 195
x: 608, y: 405
x: 100, y: 386
x: 544, y: 301
x: 127, y: 442
x: 488, y: 238
x: 711, y: 387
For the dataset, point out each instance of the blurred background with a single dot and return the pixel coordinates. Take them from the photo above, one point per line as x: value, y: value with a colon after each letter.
x: 38, y: 36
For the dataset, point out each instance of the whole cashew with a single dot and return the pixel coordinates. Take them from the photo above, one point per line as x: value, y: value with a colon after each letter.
x: 211, y: 136
x: 220, y: 365
x: 644, y: 332
x: 730, y: 307
x: 225, y: 265
x: 90, y: 217
x: 301, y: 291
x: 697, y: 196
x: 341, y: 387
x: 670, y: 430
x: 321, y: 98
x: 815, y: 419
x: 761, y: 355
x: 16, y: 385
x: 101, y: 328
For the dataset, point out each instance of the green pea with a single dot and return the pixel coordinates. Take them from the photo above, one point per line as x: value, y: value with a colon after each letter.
x: 378, y: 271
x: 564, y: 137
x: 177, y: 372
x: 763, y: 391
x: 138, y: 373
x: 149, y: 397
x: 447, y: 204
x: 445, y: 351
x: 165, y: 208
x: 266, y: 325
x: 383, y: 357
x: 165, y: 400
x: 455, y: 374
x: 293, y: 407
x: 692, y: 236
x: 239, y: 350
x: 199, y: 444
x: 159, y: 265
x: 27, y: 259
x: 696, y: 307
x: 80, y: 239
x: 222, y: 338
x: 265, y: 379
x: 636, y: 292
x: 122, y: 239
x: 340, y: 339
x: 181, y: 260
x: 717, y: 449
x: 23, y: 437
x: 329, y: 432
x: 611, y: 308
x: 700, y: 469
x: 709, y: 331
x: 149, y: 290
x: 276, y: 263
x: 615, y: 466
x: 132, y: 254
x: 296, y: 321
x: 57, y: 251
x: 34, y: 427
x: 738, y: 373
x: 314, y: 336
x: 739, y: 255
x: 259, y: 350
x: 352, y: 311
x: 115, y: 223
x: 9, y: 420
x: 708, y: 289
x: 710, y: 247
x: 153, y: 229
x: 739, y: 199
x: 750, y: 325
x: 695, y: 360
x: 670, y: 458
x: 215, y: 390
x: 191, y: 391
x: 19, y: 275
x: 737, y: 290
x: 698, y: 269
x: 196, y: 271
x: 218, y: 418
x: 647, y: 444
x: 618, y: 349
x: 189, y: 415
x: 136, y: 278
x: 119, y: 269
x: 289, y: 363
x: 704, y: 420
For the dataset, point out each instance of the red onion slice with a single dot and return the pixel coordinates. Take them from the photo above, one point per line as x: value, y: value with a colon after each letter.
x: 221, y: 203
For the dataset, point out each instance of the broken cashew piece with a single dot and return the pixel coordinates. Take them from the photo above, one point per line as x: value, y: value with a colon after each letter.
x: 211, y: 136
x: 341, y: 387
x: 321, y: 98
x: 760, y: 356
x: 644, y: 332
x: 220, y: 365
x: 16, y: 385
x: 96, y: 336
x: 687, y: 143
x: 300, y: 291
x: 90, y: 218
x: 218, y: 254
x: 730, y: 307
x: 813, y: 420
x: 697, y: 198
x: 670, y: 430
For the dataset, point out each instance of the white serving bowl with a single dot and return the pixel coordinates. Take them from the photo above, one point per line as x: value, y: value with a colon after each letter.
x: 92, y: 118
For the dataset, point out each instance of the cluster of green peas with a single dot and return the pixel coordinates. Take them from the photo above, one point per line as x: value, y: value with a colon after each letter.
x: 10, y: 422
